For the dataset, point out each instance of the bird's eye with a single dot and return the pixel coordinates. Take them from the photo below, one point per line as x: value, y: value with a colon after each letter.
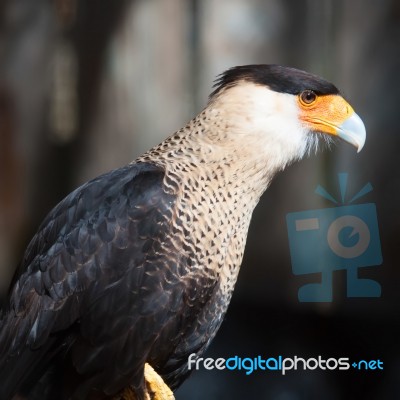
x: 307, y: 97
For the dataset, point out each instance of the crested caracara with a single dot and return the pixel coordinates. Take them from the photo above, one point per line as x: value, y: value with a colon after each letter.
x: 137, y: 267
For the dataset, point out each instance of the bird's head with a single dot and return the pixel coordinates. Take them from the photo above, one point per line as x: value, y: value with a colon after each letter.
x: 283, y: 111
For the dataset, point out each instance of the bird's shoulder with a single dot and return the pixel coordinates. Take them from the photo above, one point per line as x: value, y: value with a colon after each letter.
x: 107, y: 195
x: 86, y: 247
x: 105, y: 220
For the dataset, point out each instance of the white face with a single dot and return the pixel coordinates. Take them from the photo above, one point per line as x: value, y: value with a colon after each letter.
x: 282, y: 126
x: 265, y: 122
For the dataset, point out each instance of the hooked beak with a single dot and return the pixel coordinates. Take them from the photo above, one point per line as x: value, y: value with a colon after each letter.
x: 333, y: 115
x: 352, y: 130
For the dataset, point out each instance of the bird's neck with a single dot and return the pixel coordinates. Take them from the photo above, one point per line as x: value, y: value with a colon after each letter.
x: 217, y: 171
x: 216, y: 150
x: 218, y: 178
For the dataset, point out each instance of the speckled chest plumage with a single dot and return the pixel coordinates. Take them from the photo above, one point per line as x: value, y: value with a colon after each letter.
x: 216, y: 191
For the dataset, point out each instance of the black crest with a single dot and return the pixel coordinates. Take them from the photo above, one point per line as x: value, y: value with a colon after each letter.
x: 276, y: 77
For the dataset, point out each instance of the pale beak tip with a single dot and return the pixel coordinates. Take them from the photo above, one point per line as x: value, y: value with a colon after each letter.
x: 353, y: 131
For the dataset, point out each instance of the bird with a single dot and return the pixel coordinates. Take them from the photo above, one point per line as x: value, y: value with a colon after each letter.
x: 134, y: 270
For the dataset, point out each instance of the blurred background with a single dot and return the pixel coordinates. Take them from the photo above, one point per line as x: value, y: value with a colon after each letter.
x: 87, y: 86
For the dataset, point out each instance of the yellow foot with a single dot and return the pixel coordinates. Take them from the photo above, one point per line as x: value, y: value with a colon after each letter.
x: 156, y: 388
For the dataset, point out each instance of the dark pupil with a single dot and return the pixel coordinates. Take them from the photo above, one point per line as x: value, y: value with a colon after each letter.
x: 308, y: 96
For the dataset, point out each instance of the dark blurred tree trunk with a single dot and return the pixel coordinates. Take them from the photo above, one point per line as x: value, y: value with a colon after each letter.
x: 12, y: 216
x: 33, y: 36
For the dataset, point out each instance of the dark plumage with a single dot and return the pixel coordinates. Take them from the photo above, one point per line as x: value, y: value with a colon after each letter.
x: 279, y: 79
x: 85, y: 273
x: 138, y: 265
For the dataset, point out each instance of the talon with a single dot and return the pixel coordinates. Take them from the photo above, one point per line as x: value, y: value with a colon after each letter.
x: 156, y: 388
